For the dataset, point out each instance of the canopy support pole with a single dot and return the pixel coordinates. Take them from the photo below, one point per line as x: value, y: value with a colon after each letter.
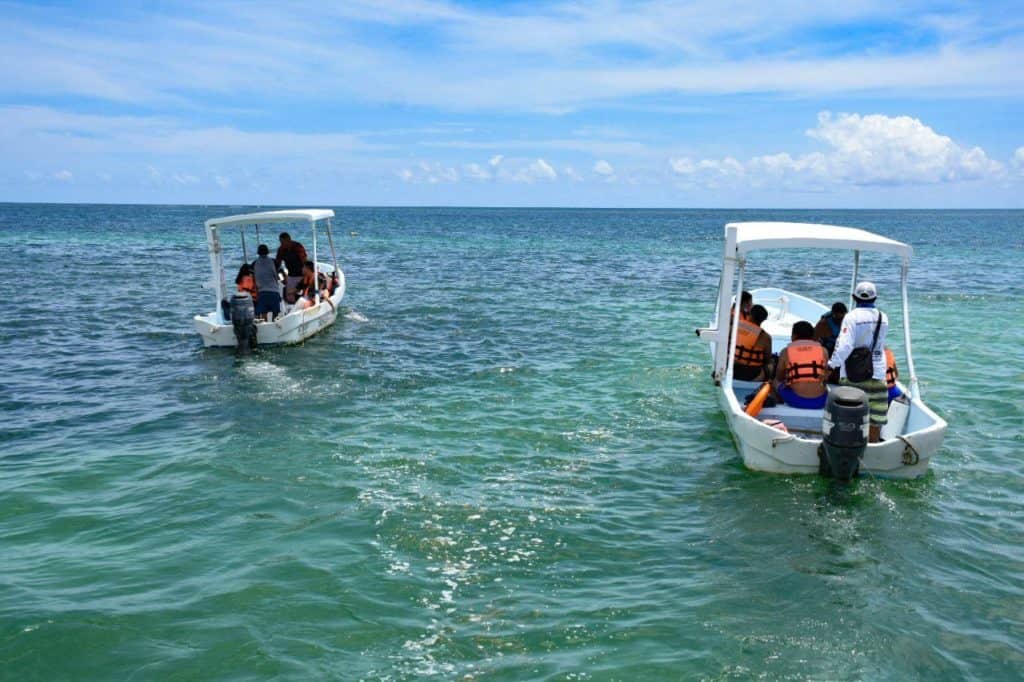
x: 856, y: 274
x: 245, y: 252
x: 914, y: 388
x: 735, y: 322
x: 316, y: 271
x: 721, y: 332
x: 330, y: 240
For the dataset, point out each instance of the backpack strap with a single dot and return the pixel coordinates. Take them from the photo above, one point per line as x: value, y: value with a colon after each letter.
x: 878, y: 327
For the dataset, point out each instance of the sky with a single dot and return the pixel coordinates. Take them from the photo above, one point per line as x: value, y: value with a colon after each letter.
x: 711, y: 103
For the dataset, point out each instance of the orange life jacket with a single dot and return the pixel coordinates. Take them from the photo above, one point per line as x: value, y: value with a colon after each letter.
x: 247, y: 283
x: 747, y: 352
x: 806, y: 362
x: 891, y: 373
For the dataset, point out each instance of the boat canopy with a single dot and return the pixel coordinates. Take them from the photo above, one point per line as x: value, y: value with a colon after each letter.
x: 289, y: 216
x: 771, y: 235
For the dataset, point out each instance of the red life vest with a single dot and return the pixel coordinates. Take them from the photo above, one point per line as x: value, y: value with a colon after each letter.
x: 891, y: 373
x: 806, y: 362
x: 747, y: 352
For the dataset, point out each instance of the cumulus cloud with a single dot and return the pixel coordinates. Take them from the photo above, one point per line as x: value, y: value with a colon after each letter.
x: 475, y: 171
x: 430, y: 173
x: 495, y: 160
x: 185, y: 179
x: 605, y: 170
x: 63, y: 176
x: 536, y: 171
x: 572, y: 174
x: 222, y: 181
x: 861, y: 150
x: 1018, y: 157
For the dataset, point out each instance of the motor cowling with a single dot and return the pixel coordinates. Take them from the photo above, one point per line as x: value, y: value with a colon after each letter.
x: 844, y: 431
x: 243, y: 319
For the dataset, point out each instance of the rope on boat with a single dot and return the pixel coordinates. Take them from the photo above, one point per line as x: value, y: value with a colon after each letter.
x: 910, y: 455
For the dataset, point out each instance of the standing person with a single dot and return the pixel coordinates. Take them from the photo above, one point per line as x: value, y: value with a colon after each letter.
x: 753, y: 347
x: 802, y: 370
x: 265, y: 273
x: 859, y: 355
x: 293, y: 255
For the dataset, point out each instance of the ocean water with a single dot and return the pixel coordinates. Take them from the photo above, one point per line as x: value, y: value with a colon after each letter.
x: 505, y: 462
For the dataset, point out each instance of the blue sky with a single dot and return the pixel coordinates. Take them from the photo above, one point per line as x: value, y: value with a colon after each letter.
x: 417, y: 102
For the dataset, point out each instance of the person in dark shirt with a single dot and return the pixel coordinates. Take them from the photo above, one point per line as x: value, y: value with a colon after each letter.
x: 293, y: 255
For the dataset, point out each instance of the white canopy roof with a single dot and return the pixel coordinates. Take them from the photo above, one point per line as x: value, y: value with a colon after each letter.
x: 288, y: 216
x: 766, y: 235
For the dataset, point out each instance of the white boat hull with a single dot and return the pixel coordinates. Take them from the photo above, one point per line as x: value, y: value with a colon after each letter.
x: 294, y: 327
x: 765, y: 448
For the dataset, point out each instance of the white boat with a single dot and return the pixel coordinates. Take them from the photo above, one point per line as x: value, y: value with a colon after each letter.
x: 912, y: 435
x: 293, y: 325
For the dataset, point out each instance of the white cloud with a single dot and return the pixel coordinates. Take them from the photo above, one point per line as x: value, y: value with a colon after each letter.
x: 431, y: 173
x: 572, y: 174
x: 63, y: 176
x: 475, y: 171
x: 604, y: 168
x: 495, y: 160
x: 222, y: 181
x: 539, y: 170
x: 543, y: 57
x: 862, y: 150
x: 1018, y: 157
x: 185, y: 179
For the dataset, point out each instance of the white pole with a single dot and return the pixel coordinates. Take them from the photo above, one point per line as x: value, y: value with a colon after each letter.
x: 856, y: 274
x: 722, y: 314
x: 735, y: 323
x: 316, y: 271
x: 330, y: 240
x: 245, y: 252
x: 216, y: 266
x: 914, y: 388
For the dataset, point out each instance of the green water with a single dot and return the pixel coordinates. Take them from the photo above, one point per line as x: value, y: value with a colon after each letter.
x: 504, y: 462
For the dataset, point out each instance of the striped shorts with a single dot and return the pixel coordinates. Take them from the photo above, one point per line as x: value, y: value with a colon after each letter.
x: 878, y: 398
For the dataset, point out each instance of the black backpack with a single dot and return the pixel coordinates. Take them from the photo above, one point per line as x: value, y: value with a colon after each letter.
x: 860, y: 365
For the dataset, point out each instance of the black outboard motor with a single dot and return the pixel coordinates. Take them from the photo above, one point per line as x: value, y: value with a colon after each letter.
x: 243, y: 319
x: 845, y: 433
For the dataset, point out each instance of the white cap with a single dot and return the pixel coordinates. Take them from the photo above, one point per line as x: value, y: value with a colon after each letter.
x: 865, y: 291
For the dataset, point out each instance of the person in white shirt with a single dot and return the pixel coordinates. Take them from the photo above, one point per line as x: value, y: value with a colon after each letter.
x: 865, y: 327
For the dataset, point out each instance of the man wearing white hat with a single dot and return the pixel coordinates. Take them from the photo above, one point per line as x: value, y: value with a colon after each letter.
x: 860, y: 354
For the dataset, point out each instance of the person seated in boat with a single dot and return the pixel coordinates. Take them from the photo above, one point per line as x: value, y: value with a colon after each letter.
x: 746, y: 300
x: 892, y: 373
x: 264, y: 272
x: 753, y: 348
x: 827, y: 330
x: 309, y: 286
x: 859, y: 348
x: 245, y: 282
x: 292, y: 254
x: 802, y: 370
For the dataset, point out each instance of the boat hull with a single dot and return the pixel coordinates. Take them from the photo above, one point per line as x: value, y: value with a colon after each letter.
x: 294, y: 327
x: 765, y: 448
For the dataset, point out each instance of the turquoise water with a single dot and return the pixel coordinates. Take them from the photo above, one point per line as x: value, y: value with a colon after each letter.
x: 505, y: 462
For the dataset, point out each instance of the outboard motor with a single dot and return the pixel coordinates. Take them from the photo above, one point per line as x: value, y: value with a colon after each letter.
x: 243, y: 319
x: 845, y: 433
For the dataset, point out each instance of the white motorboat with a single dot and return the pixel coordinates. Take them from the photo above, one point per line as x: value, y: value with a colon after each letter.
x: 914, y: 432
x: 295, y: 322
